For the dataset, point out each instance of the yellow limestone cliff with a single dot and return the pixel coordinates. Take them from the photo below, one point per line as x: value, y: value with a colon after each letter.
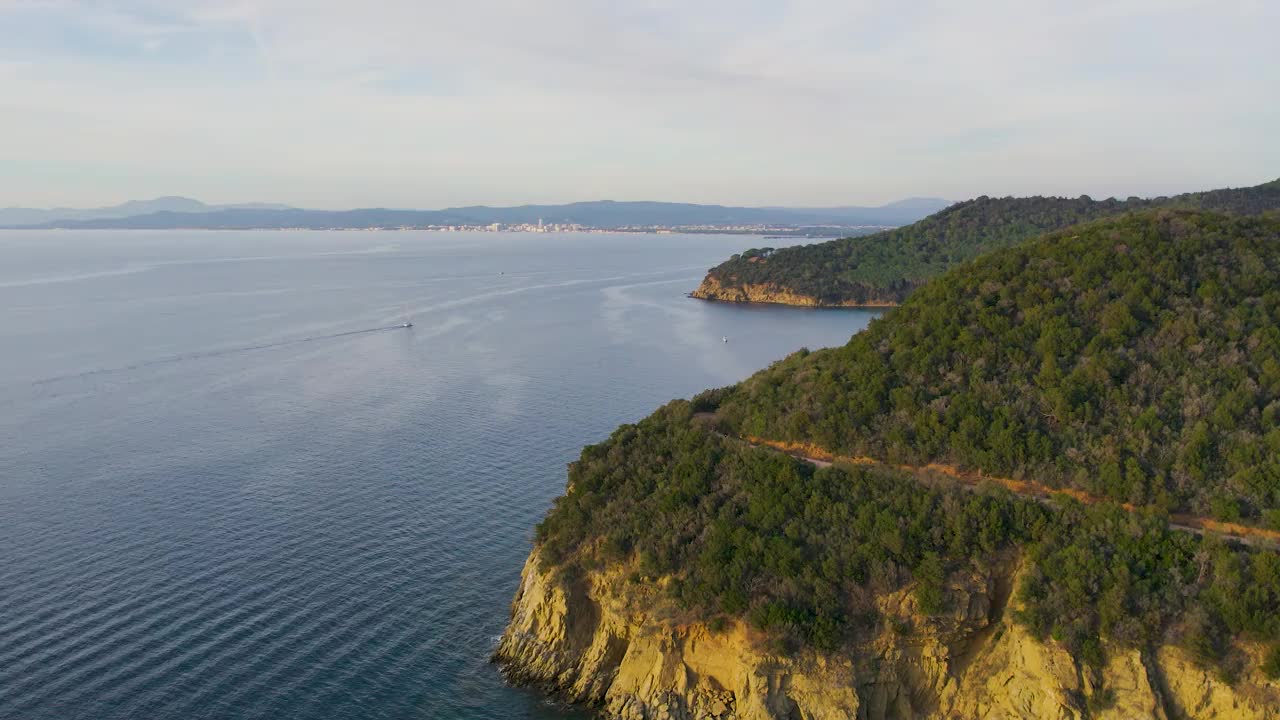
x: 603, y: 641
x: 712, y: 289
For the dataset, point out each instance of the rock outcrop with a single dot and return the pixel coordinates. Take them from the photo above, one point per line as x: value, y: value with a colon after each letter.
x: 611, y: 643
x: 712, y: 289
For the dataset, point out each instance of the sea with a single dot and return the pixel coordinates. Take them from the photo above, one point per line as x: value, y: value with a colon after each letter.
x: 233, y: 485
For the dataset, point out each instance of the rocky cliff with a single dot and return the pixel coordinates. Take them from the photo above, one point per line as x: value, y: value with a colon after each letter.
x: 609, y: 641
x: 712, y: 289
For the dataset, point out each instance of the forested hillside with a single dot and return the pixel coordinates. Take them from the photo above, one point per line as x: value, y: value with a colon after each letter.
x: 1137, y: 358
x: 885, y: 267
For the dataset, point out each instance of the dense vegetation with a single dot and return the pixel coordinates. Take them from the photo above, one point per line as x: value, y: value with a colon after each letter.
x: 1137, y: 358
x: 801, y: 552
x: 885, y: 267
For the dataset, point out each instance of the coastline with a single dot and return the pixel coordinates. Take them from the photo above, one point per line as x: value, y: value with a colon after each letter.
x: 815, y: 305
x: 610, y: 645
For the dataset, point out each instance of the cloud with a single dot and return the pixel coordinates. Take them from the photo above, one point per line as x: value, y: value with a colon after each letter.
x: 393, y: 102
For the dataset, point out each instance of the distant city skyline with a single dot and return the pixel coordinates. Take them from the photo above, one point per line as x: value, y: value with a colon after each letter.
x: 330, y: 105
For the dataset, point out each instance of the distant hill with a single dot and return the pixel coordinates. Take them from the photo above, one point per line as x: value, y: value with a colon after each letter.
x: 882, y: 269
x: 15, y: 216
x: 600, y: 214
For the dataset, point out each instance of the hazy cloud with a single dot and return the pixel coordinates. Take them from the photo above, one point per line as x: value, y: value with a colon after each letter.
x: 393, y: 102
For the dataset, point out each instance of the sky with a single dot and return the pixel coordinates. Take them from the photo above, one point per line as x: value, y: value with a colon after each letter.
x: 436, y: 103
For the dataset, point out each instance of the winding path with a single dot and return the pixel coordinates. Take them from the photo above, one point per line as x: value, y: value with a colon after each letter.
x: 1037, y: 491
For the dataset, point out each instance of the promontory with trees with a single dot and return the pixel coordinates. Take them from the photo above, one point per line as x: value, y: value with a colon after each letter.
x: 883, y: 268
x: 1134, y: 360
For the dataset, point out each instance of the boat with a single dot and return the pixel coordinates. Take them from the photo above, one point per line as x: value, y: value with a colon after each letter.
x: 724, y: 339
x: 408, y: 324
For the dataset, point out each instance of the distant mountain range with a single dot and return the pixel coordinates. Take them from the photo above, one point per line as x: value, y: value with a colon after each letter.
x: 14, y: 216
x: 181, y: 213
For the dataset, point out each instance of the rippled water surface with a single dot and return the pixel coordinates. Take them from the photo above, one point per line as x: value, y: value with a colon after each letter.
x: 231, y: 487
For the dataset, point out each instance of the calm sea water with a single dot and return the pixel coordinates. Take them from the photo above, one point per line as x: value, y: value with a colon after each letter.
x: 230, y: 487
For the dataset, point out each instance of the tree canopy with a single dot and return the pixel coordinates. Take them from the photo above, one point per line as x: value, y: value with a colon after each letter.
x: 1136, y: 358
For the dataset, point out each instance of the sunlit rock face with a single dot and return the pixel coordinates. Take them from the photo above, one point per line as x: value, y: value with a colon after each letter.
x: 603, y: 641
